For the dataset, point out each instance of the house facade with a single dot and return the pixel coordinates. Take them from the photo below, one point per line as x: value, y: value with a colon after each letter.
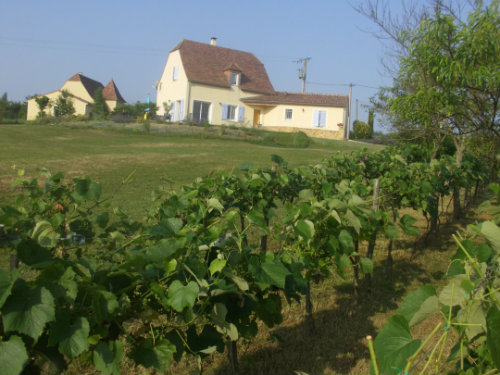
x: 81, y: 90
x: 207, y: 83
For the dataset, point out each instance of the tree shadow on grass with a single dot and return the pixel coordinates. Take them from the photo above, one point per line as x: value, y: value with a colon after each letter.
x: 338, y: 342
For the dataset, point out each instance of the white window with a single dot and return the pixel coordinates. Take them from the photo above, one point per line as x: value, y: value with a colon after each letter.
x: 288, y: 114
x: 319, y: 119
x: 235, y: 79
x: 229, y: 112
x: 175, y: 73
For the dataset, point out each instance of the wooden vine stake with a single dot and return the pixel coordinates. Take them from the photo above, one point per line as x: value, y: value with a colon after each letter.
x: 373, y: 239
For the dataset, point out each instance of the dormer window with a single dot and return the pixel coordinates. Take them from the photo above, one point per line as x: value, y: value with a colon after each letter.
x: 235, y: 78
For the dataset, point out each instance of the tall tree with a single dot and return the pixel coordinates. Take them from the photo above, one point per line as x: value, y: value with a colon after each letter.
x: 452, y: 77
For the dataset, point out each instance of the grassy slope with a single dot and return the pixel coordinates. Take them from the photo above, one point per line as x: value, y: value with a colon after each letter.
x: 108, y: 156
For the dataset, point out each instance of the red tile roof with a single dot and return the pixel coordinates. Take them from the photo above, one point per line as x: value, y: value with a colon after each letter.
x: 110, y: 92
x: 324, y: 100
x: 90, y: 85
x: 205, y: 64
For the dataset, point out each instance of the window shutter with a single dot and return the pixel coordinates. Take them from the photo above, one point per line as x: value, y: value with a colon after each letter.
x: 181, y: 110
x: 241, y: 113
x: 316, y: 118
x: 322, y: 119
x: 224, y: 111
x: 172, y: 112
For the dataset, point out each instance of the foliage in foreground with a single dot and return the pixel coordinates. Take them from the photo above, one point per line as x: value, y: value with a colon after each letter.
x: 468, y: 304
x: 94, y: 284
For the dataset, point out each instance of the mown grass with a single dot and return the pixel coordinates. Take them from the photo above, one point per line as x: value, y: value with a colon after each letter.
x: 108, y: 155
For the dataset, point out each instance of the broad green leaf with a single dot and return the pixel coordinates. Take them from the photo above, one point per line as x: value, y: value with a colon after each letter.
x: 366, y: 266
x: 218, y: 316
x: 492, y: 233
x: 342, y: 262
x: 406, y: 223
x: 72, y: 338
x: 269, y: 310
x: 394, y: 345
x: 305, y: 229
x: 240, y: 282
x: 483, y: 252
x: 306, y: 195
x: 456, y: 267
x: 276, y: 274
x: 28, y: 310
x: 105, y: 304
x: 346, y: 242
x: 353, y: 220
x: 453, y: 294
x: 13, y: 355
x: 336, y: 216
x: 181, y: 296
x: 33, y: 254
x: 6, y: 285
x: 419, y: 304
x: 493, y: 334
x: 391, y: 231
x: 206, y: 342
x: 107, y: 357
x: 215, y: 203
x: 473, y: 315
x: 158, y: 354
x: 257, y: 218
x: 85, y: 189
x: 216, y: 265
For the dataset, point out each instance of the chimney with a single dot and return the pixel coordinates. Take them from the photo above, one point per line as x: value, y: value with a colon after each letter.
x: 213, y: 41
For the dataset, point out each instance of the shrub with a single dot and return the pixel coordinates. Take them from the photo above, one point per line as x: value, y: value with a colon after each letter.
x: 300, y: 139
x: 361, y: 130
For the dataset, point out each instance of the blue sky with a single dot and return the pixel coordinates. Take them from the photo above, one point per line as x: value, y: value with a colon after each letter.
x: 43, y: 43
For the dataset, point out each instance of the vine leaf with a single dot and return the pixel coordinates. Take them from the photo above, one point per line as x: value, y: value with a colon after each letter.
x: 107, y: 357
x: 72, y: 337
x: 6, y: 285
x: 419, y: 304
x: 492, y: 233
x: 28, y: 310
x: 218, y: 316
x: 493, y: 334
x: 181, y: 296
x: 157, y: 354
x: 13, y: 355
x: 394, y: 345
x: 216, y: 265
x: 305, y: 229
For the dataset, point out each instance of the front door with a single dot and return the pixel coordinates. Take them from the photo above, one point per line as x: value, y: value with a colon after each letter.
x: 256, y: 117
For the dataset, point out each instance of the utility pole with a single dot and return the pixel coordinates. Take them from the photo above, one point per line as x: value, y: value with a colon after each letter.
x: 303, y: 72
x: 349, y: 112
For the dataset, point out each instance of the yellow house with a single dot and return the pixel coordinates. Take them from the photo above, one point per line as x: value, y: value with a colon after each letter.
x: 207, y: 83
x: 82, y: 91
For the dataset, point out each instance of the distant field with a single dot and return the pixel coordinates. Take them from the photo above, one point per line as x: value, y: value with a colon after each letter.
x: 109, y: 155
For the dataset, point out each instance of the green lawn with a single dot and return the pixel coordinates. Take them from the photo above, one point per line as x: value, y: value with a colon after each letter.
x: 109, y: 155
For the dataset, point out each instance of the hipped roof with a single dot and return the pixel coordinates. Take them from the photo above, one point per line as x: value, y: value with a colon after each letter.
x: 206, y: 64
